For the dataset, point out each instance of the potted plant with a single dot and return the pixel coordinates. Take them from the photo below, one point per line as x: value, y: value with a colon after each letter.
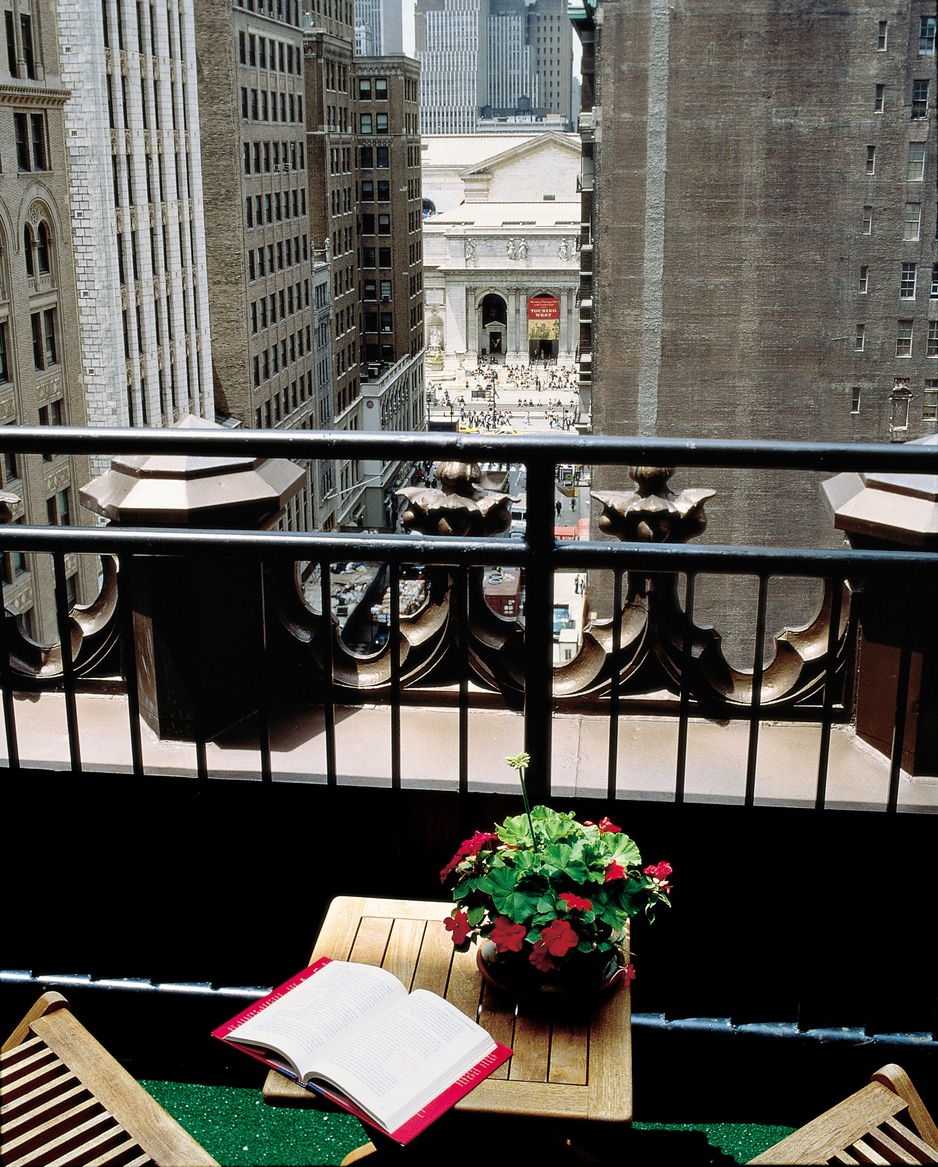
x: 548, y: 898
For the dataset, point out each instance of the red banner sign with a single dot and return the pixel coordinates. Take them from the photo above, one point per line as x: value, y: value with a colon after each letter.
x: 543, y: 308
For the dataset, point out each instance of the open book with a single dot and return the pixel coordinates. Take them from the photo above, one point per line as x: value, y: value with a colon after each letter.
x: 353, y: 1033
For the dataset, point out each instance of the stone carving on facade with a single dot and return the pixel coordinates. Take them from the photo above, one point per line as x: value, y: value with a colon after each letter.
x: 654, y: 627
x: 562, y: 252
x: 469, y: 248
x: 510, y: 249
x: 523, y: 249
x: 457, y: 506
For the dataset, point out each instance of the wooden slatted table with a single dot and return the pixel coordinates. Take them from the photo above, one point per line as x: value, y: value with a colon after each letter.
x: 566, y: 1064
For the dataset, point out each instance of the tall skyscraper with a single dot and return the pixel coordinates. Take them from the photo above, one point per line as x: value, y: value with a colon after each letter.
x: 134, y: 162
x: 452, y: 47
x: 762, y: 243
x: 383, y: 20
x: 258, y: 247
x: 40, y: 355
x: 490, y: 63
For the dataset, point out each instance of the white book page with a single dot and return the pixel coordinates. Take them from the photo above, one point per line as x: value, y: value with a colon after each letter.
x: 398, y: 1062
x: 328, y: 1006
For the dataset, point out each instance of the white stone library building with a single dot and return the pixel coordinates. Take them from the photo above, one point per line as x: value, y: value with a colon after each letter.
x: 501, y: 265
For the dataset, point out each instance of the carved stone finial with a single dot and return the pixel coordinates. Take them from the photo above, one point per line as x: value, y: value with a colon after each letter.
x: 456, y: 507
x: 8, y: 504
x: 653, y: 513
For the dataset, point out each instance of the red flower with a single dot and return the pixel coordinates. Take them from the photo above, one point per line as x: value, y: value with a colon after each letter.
x: 540, y: 957
x: 469, y: 847
x: 608, y: 828
x: 659, y: 872
x: 614, y: 871
x: 458, y: 924
x: 629, y: 973
x: 576, y: 903
x: 506, y: 935
x: 559, y: 938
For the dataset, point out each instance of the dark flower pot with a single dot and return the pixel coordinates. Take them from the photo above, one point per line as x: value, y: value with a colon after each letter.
x: 578, y: 977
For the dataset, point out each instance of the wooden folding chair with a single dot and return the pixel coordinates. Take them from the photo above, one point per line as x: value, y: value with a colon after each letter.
x: 65, y: 1100
x: 864, y: 1128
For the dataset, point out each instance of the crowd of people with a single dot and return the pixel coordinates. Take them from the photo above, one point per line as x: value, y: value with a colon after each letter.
x: 486, y: 381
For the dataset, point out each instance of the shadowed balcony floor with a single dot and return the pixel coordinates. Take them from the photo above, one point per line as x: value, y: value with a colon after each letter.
x: 858, y: 776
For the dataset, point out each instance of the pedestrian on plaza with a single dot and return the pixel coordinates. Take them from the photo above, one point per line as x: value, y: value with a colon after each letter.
x: 559, y: 508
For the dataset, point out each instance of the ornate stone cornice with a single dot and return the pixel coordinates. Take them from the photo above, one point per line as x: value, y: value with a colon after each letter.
x: 33, y: 95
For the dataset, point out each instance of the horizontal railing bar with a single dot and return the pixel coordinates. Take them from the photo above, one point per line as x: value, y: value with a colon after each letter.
x: 450, y: 551
x: 591, y: 449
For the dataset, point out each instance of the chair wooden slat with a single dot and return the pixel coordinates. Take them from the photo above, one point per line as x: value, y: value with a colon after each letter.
x: 864, y: 1129
x: 67, y: 1101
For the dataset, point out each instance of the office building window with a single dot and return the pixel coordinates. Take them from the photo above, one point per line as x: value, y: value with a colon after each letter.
x: 883, y: 37
x: 364, y: 89
x: 384, y: 257
x: 871, y: 160
x: 381, y: 157
x: 904, y: 338
x: 930, y: 400
x: 381, y: 89
x: 931, y: 345
x: 384, y: 192
x: 916, y: 167
x: 381, y: 123
x: 365, y: 123
x: 855, y: 399
x: 30, y: 133
x: 926, y: 35
x: 4, y: 359
x: 867, y: 222
x: 934, y: 281
x: 45, y: 351
x: 879, y: 99
x: 384, y: 224
x: 385, y: 287
x: 907, y: 281
x: 859, y: 338
x: 368, y: 191
x: 863, y: 284
x: 368, y: 257
x: 912, y: 224
x: 919, y: 99
x: 58, y: 511
x: 367, y: 157
x: 900, y: 399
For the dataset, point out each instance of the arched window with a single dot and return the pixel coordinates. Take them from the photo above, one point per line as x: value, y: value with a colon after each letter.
x: 28, y: 249
x: 42, y: 249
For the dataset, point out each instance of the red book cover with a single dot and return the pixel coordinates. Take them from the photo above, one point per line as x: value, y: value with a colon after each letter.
x: 412, y: 1126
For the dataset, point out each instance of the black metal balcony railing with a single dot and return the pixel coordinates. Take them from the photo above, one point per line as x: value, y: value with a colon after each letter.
x: 310, y: 702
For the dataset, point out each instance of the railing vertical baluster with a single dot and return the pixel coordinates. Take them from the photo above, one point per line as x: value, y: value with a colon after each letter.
x: 539, y: 627
x: 263, y: 675
x: 460, y: 592
x: 6, y: 678
x: 127, y: 571
x: 756, y: 703
x: 393, y: 647
x: 680, y: 776
x: 827, y: 705
x: 63, y: 623
x: 200, y: 717
x: 898, y: 726
x: 612, y: 764
x: 328, y: 653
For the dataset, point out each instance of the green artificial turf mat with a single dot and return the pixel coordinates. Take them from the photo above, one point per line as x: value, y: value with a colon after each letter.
x: 239, y: 1129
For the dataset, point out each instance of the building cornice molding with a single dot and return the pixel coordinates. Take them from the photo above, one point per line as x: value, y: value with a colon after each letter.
x: 33, y: 95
